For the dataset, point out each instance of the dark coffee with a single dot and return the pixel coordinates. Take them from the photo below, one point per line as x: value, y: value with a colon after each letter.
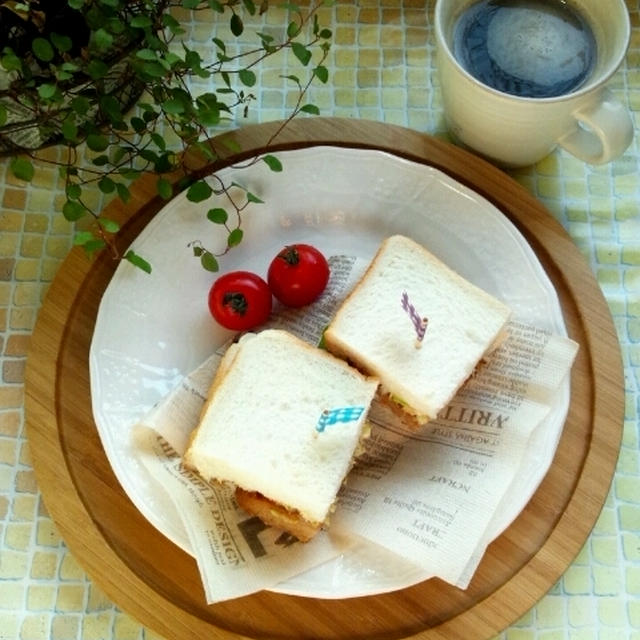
x: 529, y: 48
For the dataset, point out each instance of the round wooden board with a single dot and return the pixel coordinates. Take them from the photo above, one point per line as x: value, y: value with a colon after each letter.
x: 157, y: 583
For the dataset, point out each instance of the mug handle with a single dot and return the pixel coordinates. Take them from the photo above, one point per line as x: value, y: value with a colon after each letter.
x: 604, y: 131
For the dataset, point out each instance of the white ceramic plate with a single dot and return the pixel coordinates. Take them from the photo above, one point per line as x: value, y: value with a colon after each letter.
x: 153, y: 329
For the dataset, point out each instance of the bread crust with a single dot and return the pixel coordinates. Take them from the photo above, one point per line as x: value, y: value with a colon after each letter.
x: 220, y: 374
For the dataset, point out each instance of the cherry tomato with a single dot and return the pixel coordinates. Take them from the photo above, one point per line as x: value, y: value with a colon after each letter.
x: 240, y: 300
x: 298, y: 275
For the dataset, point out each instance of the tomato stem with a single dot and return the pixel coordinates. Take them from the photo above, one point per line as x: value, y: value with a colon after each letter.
x: 290, y: 255
x: 236, y: 301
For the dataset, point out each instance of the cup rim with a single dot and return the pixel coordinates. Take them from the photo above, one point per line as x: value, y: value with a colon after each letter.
x: 442, y: 44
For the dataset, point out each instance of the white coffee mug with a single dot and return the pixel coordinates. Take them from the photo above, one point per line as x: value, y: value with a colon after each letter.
x: 590, y: 122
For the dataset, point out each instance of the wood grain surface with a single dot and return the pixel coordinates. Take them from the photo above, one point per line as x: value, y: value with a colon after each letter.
x: 157, y: 583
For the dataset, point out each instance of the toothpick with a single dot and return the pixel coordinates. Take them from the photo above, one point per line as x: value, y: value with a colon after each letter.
x: 419, y: 322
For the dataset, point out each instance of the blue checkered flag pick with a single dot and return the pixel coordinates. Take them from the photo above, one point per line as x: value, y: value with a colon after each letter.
x: 341, y: 414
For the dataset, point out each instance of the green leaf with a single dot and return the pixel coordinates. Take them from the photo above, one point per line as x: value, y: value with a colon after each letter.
x: 140, y: 22
x: 110, y: 226
x: 265, y: 37
x: 102, y: 39
x: 91, y: 246
x: 219, y: 43
x: 42, y: 49
x: 159, y: 141
x: 47, y: 90
x: 293, y: 29
x: 73, y: 191
x: 163, y: 163
x: 148, y: 155
x: 217, y: 215
x: 128, y: 174
x: 146, y: 54
x: 273, y: 163
x: 82, y: 237
x: 164, y: 188
x: 22, y: 169
x: 73, y: 211
x: 209, y: 100
x: 267, y: 42
x: 137, y: 261
x: 138, y: 124
x: 80, y: 105
x: 173, y: 106
x: 164, y: 63
x: 236, y: 25
x: 97, y: 142
x: 199, y: 191
x: 172, y: 24
x: 322, y: 73
x: 172, y: 59
x: 310, y: 108
x: 235, y: 238
x: 116, y: 153
x: 301, y: 52
x: 190, y: 4
x: 154, y: 69
x: 114, y: 25
x: 97, y: 69
x: 61, y: 42
x: 208, y: 117
x: 106, y: 185
x: 70, y: 66
x: 111, y: 108
x: 101, y: 160
x: 208, y: 261
x: 193, y: 60
x: 11, y: 62
x: 123, y: 191
x: 292, y: 78
x: 3, y: 115
x: 252, y: 197
x: 247, y: 77
x: 75, y: 4
x: 216, y: 6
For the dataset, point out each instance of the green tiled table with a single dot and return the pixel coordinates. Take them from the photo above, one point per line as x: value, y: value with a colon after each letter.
x: 382, y: 68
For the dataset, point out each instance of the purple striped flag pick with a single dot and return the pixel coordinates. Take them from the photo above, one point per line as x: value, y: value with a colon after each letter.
x: 419, y: 322
x: 341, y: 414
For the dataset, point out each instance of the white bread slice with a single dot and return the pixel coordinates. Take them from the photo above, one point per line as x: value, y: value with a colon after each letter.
x: 258, y: 428
x: 373, y: 332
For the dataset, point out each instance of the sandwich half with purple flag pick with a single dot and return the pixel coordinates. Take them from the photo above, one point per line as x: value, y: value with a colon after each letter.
x: 418, y: 326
